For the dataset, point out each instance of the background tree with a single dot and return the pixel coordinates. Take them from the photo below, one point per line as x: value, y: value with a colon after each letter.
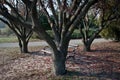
x: 98, y: 18
x: 21, y: 32
x: 66, y: 16
x: 89, y: 28
x: 112, y: 31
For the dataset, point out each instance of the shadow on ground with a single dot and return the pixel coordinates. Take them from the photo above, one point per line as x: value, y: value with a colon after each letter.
x: 113, y: 76
x: 100, y: 62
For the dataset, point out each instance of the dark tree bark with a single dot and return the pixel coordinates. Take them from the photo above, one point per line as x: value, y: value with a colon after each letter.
x: 23, y: 44
x: 87, y: 46
x: 59, y: 66
x: 25, y: 47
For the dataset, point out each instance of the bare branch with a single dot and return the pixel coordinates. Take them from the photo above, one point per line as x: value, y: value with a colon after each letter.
x: 59, y: 3
x: 14, y: 9
x: 46, y: 13
x: 38, y: 28
x: 10, y: 26
x: 81, y: 15
x: 53, y: 11
x: 74, y: 4
x: 77, y: 12
x: 6, y: 22
x: 54, y: 28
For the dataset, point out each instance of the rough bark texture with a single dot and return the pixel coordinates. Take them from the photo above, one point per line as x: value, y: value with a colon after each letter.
x: 59, y: 59
x: 59, y: 67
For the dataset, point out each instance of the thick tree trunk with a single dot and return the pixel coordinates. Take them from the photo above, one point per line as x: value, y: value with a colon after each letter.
x: 59, y: 67
x: 87, y: 47
x: 25, y: 47
x: 23, y: 44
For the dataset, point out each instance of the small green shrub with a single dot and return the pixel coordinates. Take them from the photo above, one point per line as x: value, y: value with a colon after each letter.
x: 76, y: 34
x: 111, y: 32
x: 34, y: 36
x: 50, y: 33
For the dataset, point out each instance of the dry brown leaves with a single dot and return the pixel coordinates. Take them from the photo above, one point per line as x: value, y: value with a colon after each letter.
x: 104, y: 57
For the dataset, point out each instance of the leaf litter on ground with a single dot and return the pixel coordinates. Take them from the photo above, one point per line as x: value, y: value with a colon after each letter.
x: 103, y: 58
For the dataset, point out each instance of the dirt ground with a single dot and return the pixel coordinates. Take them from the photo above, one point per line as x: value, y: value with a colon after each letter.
x: 102, y: 63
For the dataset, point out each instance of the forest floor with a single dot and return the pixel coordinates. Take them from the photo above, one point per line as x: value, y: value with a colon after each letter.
x: 102, y: 63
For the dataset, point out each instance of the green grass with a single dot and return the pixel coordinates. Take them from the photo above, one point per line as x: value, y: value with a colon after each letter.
x: 7, y: 54
x: 8, y: 39
x: 13, y: 39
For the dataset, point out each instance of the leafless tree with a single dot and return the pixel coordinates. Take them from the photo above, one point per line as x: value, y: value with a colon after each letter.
x: 10, y: 14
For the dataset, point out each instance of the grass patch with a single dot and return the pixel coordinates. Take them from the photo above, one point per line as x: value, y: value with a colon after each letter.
x: 8, y: 39
x: 13, y: 39
x: 7, y: 54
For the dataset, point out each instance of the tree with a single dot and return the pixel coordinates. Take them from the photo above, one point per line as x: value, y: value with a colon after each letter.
x: 21, y: 32
x: 112, y: 31
x: 98, y: 18
x: 88, y: 28
x: 66, y: 16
